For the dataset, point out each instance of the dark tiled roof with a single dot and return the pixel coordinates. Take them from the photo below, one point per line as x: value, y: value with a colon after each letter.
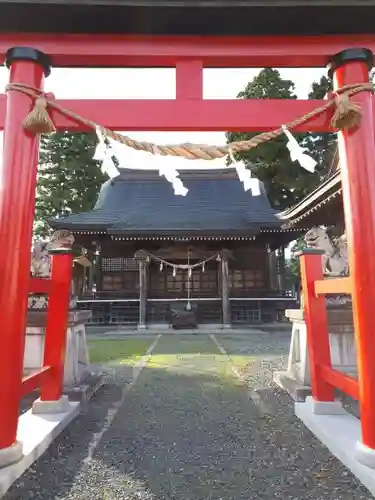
x: 141, y: 202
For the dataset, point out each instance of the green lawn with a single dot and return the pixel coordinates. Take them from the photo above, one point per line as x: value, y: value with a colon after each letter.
x: 171, y: 353
x: 124, y: 351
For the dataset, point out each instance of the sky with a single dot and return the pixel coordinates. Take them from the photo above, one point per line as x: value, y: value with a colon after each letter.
x: 160, y: 84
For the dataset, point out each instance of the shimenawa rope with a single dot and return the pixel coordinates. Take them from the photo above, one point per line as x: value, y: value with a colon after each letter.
x: 346, y: 115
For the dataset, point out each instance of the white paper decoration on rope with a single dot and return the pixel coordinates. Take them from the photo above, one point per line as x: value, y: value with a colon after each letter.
x: 107, y: 149
x: 244, y: 175
x: 104, y: 153
x: 169, y: 172
x: 297, y: 153
x: 101, y: 147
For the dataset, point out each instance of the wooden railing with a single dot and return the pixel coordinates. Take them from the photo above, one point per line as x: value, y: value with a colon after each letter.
x: 324, y: 379
x: 49, y: 379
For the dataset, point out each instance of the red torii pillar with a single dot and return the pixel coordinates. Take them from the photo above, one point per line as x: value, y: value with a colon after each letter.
x: 17, y: 201
x: 357, y: 161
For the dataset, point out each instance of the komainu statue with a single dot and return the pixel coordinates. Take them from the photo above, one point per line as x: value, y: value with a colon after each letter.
x: 41, y: 264
x: 61, y: 239
x: 335, y: 258
x: 40, y: 260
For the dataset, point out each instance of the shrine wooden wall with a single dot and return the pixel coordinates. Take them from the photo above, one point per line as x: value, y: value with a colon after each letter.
x: 118, y: 274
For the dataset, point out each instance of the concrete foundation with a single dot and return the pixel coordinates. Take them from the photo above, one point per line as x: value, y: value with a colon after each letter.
x: 340, y: 432
x: 35, y: 434
x: 62, y: 405
x: 77, y: 363
x: 11, y: 455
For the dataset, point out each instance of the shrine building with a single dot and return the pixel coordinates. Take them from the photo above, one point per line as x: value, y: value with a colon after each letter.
x: 322, y: 207
x: 143, y: 240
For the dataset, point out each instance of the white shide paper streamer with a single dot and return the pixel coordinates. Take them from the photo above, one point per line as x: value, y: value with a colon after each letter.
x: 170, y: 173
x: 104, y: 153
x: 244, y: 175
x: 297, y: 153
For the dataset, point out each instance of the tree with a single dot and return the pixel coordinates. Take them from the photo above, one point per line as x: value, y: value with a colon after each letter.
x: 285, y: 181
x: 69, y: 179
x: 293, y: 263
x: 322, y: 146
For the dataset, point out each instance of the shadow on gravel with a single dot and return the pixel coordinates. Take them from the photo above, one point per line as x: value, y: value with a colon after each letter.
x: 185, y: 437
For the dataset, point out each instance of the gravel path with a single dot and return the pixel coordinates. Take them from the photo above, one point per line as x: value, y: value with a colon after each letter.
x: 189, y: 430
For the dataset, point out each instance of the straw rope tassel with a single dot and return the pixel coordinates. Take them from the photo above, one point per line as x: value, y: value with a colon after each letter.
x: 38, y: 120
x: 347, y: 114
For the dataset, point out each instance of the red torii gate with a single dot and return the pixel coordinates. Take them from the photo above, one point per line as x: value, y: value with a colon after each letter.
x: 29, y: 58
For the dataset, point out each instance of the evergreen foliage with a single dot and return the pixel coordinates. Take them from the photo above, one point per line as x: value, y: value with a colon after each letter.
x: 69, y: 180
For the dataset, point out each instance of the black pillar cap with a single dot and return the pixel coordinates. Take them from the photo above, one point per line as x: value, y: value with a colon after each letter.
x: 310, y: 251
x: 350, y: 55
x: 28, y: 54
x: 59, y: 251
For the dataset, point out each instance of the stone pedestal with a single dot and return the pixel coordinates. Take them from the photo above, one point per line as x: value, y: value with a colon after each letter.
x: 77, y: 360
x: 296, y: 379
x: 298, y: 359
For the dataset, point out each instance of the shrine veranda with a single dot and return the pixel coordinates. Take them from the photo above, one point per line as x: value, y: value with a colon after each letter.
x: 37, y: 37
